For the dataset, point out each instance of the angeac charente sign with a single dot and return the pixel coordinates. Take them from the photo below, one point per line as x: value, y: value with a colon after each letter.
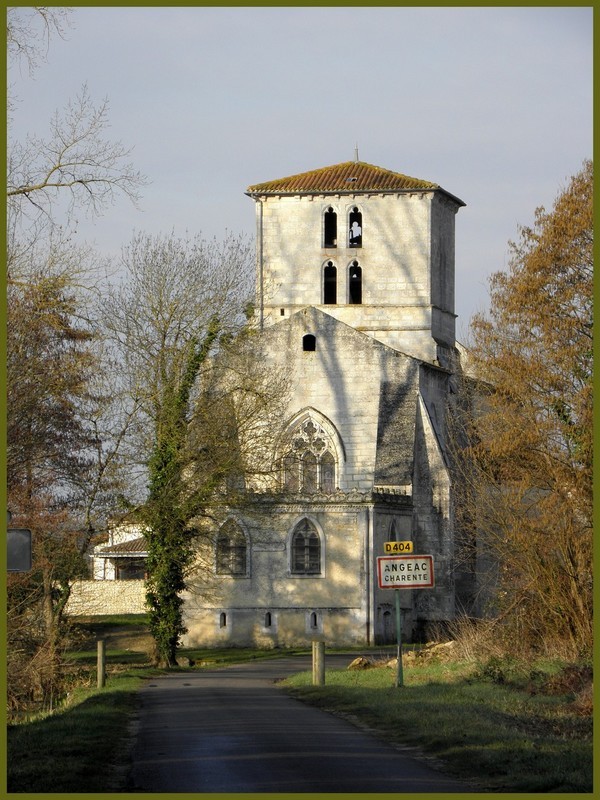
x: 405, y: 572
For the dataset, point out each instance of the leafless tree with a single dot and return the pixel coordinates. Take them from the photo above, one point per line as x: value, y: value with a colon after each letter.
x: 76, y: 160
x: 29, y: 31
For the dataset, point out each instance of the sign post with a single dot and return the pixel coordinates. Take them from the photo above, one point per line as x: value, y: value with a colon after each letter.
x: 403, y: 572
x: 399, y: 671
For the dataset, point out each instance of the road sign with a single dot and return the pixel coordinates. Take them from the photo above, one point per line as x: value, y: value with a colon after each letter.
x: 18, y: 549
x: 397, y: 547
x: 405, y: 572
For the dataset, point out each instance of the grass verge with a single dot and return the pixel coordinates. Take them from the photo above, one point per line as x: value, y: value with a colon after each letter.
x: 508, y: 737
x: 78, y: 748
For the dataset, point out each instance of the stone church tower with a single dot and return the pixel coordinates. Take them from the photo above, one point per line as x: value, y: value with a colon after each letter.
x: 355, y: 297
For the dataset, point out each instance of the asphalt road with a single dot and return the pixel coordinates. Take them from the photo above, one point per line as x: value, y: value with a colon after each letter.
x: 233, y: 730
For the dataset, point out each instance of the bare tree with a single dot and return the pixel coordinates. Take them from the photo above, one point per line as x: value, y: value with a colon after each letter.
x: 29, y: 30
x: 60, y: 457
x: 179, y: 299
x: 76, y: 160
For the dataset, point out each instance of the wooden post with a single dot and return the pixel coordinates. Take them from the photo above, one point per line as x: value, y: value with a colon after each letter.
x: 101, y: 663
x: 318, y: 665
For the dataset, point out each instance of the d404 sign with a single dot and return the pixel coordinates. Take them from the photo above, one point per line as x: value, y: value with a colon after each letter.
x: 397, y: 547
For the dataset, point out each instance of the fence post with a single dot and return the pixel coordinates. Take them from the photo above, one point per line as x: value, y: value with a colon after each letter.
x: 101, y: 663
x: 318, y: 663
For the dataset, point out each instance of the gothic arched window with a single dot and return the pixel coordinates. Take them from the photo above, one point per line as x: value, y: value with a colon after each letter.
x: 291, y: 473
x: 232, y: 550
x: 309, y: 472
x: 327, y: 473
x: 309, y: 464
x: 330, y: 284
x: 306, y: 549
x: 330, y: 228
x: 355, y: 284
x: 355, y: 228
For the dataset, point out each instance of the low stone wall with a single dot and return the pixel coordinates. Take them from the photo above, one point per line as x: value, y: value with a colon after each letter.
x: 107, y: 597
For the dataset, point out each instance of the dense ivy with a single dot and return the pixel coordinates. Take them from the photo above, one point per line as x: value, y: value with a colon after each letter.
x: 167, y: 513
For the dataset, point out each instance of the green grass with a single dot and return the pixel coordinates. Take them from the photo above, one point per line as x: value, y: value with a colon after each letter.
x: 78, y: 748
x: 207, y: 657
x: 494, y: 724
x: 501, y: 735
x: 111, y: 620
x: 89, y: 657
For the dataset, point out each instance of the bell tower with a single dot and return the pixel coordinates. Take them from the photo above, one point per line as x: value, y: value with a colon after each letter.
x: 370, y: 247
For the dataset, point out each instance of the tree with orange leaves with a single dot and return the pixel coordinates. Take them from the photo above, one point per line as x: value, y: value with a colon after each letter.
x: 527, y: 475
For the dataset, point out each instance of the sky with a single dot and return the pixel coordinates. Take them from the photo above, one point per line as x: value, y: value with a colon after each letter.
x: 493, y: 104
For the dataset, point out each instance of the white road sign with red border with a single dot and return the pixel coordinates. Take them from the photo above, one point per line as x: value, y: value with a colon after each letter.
x: 405, y: 572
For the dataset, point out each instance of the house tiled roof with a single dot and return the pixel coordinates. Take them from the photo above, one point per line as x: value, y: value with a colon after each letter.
x: 349, y: 177
x: 137, y: 547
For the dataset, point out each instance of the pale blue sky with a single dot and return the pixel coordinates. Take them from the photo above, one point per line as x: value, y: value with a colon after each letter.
x: 493, y: 104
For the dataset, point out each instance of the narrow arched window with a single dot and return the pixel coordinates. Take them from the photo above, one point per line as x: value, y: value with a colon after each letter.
x: 268, y: 620
x: 314, y: 620
x: 355, y: 284
x: 309, y: 472
x: 232, y: 556
x: 330, y: 228
x: 306, y: 549
x: 327, y: 473
x: 393, y: 536
x: 291, y: 472
x: 330, y: 284
x: 222, y: 620
x: 309, y: 343
x: 355, y: 228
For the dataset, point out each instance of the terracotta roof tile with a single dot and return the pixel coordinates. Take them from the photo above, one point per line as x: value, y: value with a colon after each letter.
x: 351, y: 177
x: 130, y: 547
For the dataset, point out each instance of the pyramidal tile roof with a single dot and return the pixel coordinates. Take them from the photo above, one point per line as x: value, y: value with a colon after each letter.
x: 349, y: 177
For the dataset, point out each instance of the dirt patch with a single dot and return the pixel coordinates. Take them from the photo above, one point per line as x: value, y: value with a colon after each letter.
x: 572, y: 679
x: 134, y: 638
x: 577, y: 681
x: 128, y: 638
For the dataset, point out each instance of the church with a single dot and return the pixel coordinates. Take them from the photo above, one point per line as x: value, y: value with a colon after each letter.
x: 355, y: 300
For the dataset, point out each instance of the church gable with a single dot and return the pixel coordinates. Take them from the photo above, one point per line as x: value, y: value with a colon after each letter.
x: 358, y: 392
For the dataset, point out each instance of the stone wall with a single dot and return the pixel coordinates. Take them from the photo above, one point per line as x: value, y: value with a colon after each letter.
x: 287, y: 627
x: 107, y: 597
x: 406, y: 257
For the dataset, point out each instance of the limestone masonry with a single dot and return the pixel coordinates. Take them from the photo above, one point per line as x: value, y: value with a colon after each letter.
x: 355, y: 303
x: 355, y: 277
